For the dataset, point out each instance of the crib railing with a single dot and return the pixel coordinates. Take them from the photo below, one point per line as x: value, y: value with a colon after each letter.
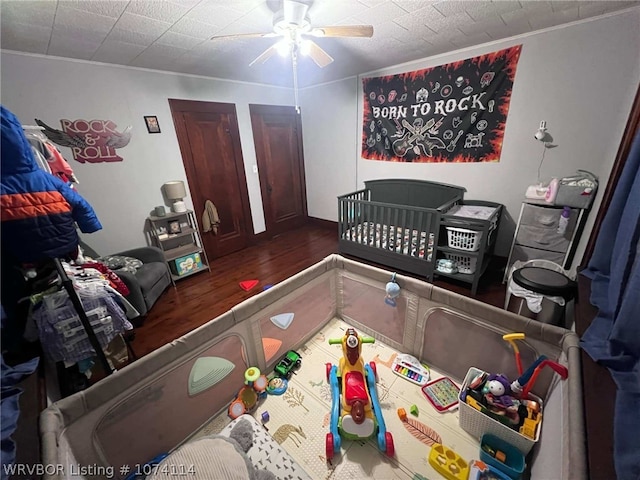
x: 395, y: 228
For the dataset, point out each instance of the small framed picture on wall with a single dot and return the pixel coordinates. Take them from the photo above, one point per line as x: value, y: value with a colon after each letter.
x: 152, y: 124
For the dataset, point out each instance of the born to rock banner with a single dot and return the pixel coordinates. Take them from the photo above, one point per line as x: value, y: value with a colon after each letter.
x: 451, y: 113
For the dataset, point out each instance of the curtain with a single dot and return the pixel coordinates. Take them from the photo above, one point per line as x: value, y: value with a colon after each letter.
x: 613, y: 339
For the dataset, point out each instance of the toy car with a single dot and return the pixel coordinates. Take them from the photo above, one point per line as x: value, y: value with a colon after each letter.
x: 355, y: 408
x: 288, y: 364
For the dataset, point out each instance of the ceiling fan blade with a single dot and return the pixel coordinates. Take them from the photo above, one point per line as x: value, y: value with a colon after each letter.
x: 318, y: 55
x: 343, y: 31
x: 266, y: 55
x: 245, y: 35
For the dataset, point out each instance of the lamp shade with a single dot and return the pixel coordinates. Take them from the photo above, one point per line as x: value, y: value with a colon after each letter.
x: 175, y: 190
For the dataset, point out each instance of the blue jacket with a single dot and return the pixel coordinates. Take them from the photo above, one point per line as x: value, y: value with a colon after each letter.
x: 39, y: 211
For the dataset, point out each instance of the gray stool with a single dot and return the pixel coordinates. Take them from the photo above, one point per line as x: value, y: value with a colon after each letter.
x: 548, y: 283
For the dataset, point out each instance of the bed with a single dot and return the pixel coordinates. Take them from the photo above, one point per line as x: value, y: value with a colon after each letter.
x: 408, y: 225
x: 160, y: 402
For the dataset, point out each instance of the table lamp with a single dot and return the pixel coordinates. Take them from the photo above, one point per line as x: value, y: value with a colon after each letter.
x: 175, y: 192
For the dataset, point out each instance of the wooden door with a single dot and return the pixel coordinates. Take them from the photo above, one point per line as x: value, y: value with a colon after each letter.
x: 210, y: 145
x: 277, y: 134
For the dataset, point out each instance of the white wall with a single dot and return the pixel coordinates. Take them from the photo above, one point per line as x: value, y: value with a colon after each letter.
x: 328, y: 115
x: 581, y: 79
x: 123, y: 193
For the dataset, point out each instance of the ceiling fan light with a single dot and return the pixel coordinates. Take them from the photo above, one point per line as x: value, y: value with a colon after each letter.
x: 283, y: 47
x: 305, y: 47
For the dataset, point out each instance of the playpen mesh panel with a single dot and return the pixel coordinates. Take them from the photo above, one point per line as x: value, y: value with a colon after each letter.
x: 468, y: 343
x: 452, y: 342
x: 365, y: 304
x: 311, y: 309
x: 158, y: 417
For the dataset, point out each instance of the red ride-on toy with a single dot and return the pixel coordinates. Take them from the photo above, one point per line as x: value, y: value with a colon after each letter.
x: 355, y: 408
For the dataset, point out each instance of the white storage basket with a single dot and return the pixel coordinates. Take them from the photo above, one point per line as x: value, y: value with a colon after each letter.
x: 465, y: 263
x: 464, y: 239
x: 477, y: 423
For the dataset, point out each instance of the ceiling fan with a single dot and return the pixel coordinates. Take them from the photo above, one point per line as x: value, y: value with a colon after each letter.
x: 292, y: 23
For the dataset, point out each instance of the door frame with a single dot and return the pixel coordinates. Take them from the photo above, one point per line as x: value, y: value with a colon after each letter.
x: 259, y: 109
x: 178, y: 107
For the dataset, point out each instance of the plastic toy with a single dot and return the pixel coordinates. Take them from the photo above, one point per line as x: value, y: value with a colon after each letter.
x: 414, y: 410
x: 248, y: 396
x: 479, y: 470
x: 265, y: 417
x: 442, y: 394
x: 410, y: 368
x: 556, y: 367
x: 530, y: 423
x: 448, y: 463
x: 355, y: 408
x: 402, y: 414
x: 511, y: 338
x: 502, y: 455
x: 277, y: 386
x: 288, y: 364
x: 518, y: 385
x: 392, y: 290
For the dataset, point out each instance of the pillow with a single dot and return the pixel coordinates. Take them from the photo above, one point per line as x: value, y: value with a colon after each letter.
x: 215, y: 457
x: 204, y: 459
x: 120, y: 262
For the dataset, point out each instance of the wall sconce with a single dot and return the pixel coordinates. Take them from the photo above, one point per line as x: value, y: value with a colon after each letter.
x: 542, y: 134
x: 175, y: 191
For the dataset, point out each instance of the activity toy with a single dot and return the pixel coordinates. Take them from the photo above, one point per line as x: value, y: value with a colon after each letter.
x: 442, y: 394
x: 478, y: 470
x: 409, y: 368
x: 414, y: 410
x: 277, y: 386
x: 355, y: 408
x: 248, y: 396
x: 392, y: 290
x: 448, y: 463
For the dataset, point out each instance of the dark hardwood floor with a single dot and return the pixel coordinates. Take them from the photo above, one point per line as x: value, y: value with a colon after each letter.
x: 202, y: 297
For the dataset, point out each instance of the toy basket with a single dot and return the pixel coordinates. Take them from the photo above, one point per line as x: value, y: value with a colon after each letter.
x: 465, y: 263
x: 464, y: 239
x: 477, y: 423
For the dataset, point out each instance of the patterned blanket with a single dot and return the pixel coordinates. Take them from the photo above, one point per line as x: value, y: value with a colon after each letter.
x: 395, y: 239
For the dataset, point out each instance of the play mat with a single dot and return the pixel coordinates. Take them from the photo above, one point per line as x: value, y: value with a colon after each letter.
x: 183, y: 390
x: 299, y: 419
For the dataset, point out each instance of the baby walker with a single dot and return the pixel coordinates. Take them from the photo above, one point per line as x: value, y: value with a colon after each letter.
x: 355, y: 409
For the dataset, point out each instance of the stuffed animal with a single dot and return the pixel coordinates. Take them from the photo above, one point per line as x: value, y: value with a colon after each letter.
x: 497, y: 392
x: 214, y: 456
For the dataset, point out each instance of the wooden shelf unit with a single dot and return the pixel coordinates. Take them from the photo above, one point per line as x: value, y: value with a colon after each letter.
x: 186, y: 240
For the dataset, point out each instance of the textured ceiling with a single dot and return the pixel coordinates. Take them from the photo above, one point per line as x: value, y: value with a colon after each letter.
x: 175, y: 35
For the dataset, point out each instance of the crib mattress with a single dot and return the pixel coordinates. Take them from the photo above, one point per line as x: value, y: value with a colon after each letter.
x: 392, y: 238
